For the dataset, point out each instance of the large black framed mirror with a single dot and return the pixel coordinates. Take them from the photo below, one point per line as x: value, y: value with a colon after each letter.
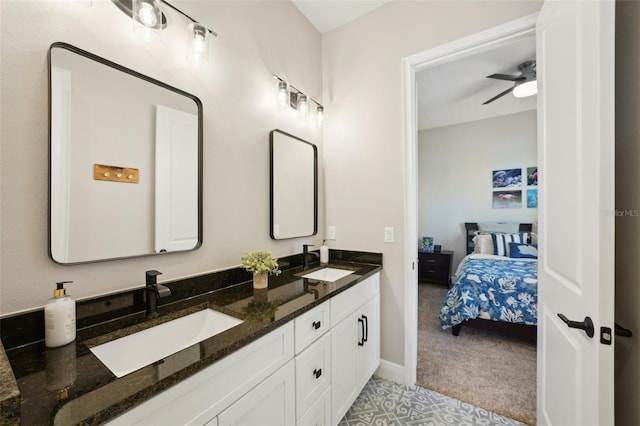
x: 294, y: 186
x: 125, y: 161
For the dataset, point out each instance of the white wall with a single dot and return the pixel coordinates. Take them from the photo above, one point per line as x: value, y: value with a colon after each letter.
x: 455, y: 170
x: 256, y: 40
x: 627, y: 351
x: 364, y: 132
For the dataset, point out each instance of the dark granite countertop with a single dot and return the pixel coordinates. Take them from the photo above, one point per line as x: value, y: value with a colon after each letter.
x: 70, y: 385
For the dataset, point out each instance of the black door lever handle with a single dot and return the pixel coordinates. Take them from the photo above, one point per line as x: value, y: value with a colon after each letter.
x: 586, y: 325
x: 621, y: 331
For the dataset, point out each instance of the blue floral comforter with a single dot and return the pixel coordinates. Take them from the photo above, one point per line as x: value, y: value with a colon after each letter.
x: 496, y: 287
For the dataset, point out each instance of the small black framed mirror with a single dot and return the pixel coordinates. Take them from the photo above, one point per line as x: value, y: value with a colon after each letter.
x: 294, y: 186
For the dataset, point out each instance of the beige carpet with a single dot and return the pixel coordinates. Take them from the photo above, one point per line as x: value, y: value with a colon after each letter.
x: 485, y: 369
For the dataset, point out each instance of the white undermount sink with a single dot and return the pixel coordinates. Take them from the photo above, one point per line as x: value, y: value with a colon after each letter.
x: 127, y: 354
x: 328, y: 274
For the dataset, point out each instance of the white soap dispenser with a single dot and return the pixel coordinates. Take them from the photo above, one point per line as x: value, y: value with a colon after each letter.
x: 59, y: 318
x: 324, y: 253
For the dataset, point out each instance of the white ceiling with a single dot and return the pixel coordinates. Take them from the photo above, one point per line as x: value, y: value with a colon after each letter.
x: 452, y: 92
x: 327, y: 15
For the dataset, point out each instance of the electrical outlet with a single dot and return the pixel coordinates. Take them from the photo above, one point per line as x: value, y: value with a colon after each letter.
x: 388, y: 235
x: 331, y: 232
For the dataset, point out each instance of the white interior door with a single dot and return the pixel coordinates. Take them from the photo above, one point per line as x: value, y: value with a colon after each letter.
x: 575, y: 65
x: 176, y: 156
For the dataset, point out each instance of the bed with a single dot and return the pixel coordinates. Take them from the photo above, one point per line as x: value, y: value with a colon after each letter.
x: 496, y: 284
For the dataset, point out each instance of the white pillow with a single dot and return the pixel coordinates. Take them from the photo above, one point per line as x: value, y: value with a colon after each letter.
x: 483, y: 244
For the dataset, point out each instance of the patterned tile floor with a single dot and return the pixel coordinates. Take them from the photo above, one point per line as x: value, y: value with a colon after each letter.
x: 385, y: 403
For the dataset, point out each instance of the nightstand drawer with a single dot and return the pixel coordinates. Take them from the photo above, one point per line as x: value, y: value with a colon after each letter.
x: 434, y: 260
x: 437, y: 275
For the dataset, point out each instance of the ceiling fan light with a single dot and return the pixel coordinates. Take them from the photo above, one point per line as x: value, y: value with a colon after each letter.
x: 528, y: 88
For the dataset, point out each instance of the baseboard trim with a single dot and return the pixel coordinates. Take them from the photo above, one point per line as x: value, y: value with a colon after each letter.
x: 392, y: 371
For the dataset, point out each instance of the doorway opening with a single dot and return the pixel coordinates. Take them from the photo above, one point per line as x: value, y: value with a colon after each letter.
x: 452, y: 234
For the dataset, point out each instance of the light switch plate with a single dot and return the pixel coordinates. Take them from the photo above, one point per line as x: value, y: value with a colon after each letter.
x: 331, y: 232
x: 388, y: 234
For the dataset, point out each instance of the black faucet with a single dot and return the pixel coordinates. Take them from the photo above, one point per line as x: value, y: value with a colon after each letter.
x: 305, y: 255
x: 154, y: 291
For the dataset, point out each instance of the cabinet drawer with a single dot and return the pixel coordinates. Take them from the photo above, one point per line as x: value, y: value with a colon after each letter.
x: 311, y: 325
x: 320, y: 412
x: 345, y: 303
x: 313, y: 374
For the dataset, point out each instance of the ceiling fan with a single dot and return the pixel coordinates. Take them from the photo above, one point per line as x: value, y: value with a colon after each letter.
x: 524, y: 85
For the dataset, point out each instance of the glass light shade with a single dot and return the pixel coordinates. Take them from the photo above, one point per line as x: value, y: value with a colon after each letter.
x: 528, y: 88
x: 147, y: 19
x: 303, y: 105
x: 320, y: 115
x: 283, y: 94
x: 197, y: 44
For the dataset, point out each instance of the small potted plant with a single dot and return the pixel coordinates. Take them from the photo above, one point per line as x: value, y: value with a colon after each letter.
x: 261, y: 264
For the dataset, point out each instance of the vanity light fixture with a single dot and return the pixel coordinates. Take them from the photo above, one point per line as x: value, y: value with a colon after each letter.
x: 197, y: 43
x: 303, y: 105
x: 289, y: 95
x: 319, y: 115
x: 283, y: 94
x: 149, y: 20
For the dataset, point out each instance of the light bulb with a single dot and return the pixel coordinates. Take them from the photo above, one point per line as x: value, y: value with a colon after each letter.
x: 283, y: 94
x: 528, y: 88
x: 320, y: 115
x: 147, y: 19
x: 197, y: 43
x: 147, y: 15
x: 303, y: 105
x: 199, y: 40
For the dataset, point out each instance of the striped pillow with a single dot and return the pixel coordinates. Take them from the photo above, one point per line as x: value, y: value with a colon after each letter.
x: 501, y: 242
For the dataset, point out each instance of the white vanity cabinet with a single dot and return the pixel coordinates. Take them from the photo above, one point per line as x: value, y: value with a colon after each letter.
x: 355, y: 343
x: 307, y: 372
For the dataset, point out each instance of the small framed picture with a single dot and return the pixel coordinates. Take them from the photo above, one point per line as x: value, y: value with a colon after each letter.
x: 506, y: 178
x: 532, y: 176
x: 427, y: 244
x: 532, y: 198
x: 507, y: 199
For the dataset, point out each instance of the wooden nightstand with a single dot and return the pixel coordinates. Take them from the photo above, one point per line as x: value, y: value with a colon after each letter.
x: 435, y: 267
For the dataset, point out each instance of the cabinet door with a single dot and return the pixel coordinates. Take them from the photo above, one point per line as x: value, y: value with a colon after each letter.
x: 271, y: 403
x: 344, y: 384
x: 368, y: 358
x: 320, y: 412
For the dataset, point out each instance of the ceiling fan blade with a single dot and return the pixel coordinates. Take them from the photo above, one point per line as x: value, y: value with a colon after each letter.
x: 506, y: 92
x: 506, y: 77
